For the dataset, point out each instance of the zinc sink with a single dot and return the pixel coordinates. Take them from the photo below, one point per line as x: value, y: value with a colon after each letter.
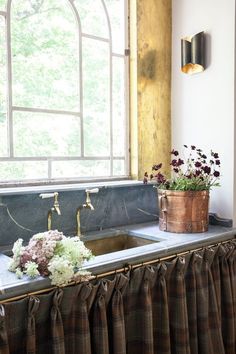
x: 114, y: 243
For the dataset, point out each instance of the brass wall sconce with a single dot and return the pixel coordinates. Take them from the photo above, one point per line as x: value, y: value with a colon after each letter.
x: 193, y: 53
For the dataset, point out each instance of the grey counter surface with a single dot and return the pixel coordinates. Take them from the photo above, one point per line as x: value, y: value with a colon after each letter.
x: 166, y: 244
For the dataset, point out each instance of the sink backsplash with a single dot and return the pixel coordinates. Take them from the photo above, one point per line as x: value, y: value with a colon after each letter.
x: 26, y: 214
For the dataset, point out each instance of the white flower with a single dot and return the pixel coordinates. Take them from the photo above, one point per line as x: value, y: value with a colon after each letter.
x: 61, y: 269
x: 82, y: 275
x: 17, y: 249
x: 31, y: 269
x: 38, y: 236
x: 19, y: 273
x: 74, y: 250
x: 17, y: 252
x: 13, y: 265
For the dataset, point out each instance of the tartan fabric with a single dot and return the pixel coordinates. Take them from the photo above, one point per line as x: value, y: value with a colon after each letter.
x: 43, y: 324
x: 57, y: 329
x: 99, y: 327
x: 75, y: 318
x: 16, y: 316
x: 178, y: 320
x: 183, y: 306
x: 161, y: 329
x: 191, y: 297
x: 139, y: 325
x: 116, y: 320
x: 4, y: 346
x: 33, y: 307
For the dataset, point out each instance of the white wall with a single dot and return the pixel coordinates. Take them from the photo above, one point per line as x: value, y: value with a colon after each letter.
x: 203, y: 104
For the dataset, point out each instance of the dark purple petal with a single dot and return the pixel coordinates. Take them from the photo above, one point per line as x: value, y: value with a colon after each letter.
x: 203, y: 156
x: 174, y: 152
x: 193, y: 147
x: 180, y: 162
x: 160, y: 178
x: 197, y: 173
x: 157, y: 167
x: 145, y: 180
x: 216, y: 173
x: 217, y: 162
x: 174, y: 163
x: 215, y: 155
x: 176, y: 170
x: 185, y: 146
x: 207, y: 169
x: 198, y: 164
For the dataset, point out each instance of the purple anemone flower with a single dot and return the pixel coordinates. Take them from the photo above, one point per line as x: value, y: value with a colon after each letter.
x: 216, y: 173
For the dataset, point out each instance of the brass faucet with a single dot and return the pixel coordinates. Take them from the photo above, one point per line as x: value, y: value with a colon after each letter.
x: 54, y: 209
x: 86, y: 205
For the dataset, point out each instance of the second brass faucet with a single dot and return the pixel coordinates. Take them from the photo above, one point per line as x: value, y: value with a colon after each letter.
x: 55, y: 208
x: 86, y: 205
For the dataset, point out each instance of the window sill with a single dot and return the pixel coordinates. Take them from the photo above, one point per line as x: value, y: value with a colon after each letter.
x: 17, y: 190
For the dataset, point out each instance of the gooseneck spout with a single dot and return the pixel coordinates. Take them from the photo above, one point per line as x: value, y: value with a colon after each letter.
x: 86, y: 205
x: 54, y: 209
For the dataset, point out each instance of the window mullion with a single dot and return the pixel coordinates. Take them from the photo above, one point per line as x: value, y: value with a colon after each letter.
x: 9, y: 81
x: 80, y: 78
x: 110, y: 88
x: 127, y: 91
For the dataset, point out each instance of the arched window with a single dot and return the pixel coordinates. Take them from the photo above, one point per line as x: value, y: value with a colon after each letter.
x: 63, y: 89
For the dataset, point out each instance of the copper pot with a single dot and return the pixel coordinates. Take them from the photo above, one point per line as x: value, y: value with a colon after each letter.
x: 183, y: 212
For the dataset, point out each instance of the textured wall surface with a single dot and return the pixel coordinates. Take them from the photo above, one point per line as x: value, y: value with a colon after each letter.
x: 151, y: 62
x: 24, y: 215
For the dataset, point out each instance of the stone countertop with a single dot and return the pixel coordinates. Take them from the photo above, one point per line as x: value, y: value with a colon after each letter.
x: 166, y: 244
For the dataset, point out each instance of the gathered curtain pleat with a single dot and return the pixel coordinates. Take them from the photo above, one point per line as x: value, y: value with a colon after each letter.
x: 57, y: 329
x: 116, y: 319
x: 161, y: 328
x: 33, y: 307
x: 183, y: 306
x: 76, y: 318
x: 4, y: 346
x: 178, y: 317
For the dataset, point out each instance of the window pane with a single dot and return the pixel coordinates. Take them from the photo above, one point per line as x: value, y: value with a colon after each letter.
x: 2, y: 5
x: 45, y: 55
x: 118, y: 168
x: 23, y: 170
x: 96, y: 97
x: 62, y: 169
x: 3, y: 90
x: 93, y: 17
x: 46, y: 135
x: 118, y: 107
x: 116, y: 15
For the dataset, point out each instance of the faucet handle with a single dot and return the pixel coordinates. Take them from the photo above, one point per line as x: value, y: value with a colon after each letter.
x: 47, y: 195
x: 54, y: 195
x: 94, y: 190
x: 88, y: 192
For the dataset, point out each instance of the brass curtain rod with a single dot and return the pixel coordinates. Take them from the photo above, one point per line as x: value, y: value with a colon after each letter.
x: 117, y: 271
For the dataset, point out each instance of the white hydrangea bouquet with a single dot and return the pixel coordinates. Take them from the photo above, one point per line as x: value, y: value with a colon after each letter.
x: 51, y: 254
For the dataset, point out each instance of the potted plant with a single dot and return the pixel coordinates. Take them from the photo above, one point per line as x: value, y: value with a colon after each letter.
x: 184, y: 198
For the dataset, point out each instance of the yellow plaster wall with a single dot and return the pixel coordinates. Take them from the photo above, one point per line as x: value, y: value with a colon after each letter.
x: 150, y: 78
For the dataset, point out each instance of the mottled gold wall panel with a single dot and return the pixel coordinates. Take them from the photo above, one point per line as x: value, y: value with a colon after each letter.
x: 153, y: 98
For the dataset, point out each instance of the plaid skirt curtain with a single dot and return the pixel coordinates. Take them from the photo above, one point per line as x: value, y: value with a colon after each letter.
x: 183, y: 306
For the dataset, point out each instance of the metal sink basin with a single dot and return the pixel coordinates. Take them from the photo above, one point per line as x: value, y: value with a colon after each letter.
x: 100, y: 245
x: 111, y: 244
